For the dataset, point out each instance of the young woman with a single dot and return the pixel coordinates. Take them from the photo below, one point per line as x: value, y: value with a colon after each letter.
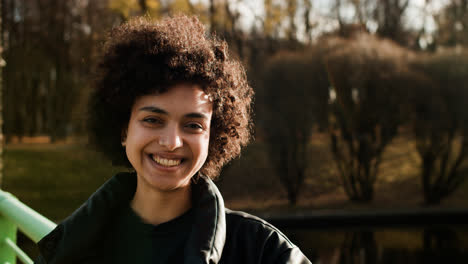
x: 170, y: 104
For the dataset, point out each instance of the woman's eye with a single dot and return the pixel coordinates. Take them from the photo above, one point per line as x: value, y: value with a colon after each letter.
x: 194, y: 126
x: 152, y: 120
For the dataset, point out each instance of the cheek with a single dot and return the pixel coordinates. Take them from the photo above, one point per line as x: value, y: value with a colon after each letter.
x: 202, y: 146
x: 136, y: 138
x: 206, y: 143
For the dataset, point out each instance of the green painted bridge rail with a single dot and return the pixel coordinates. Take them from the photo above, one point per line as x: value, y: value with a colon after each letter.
x: 14, y: 216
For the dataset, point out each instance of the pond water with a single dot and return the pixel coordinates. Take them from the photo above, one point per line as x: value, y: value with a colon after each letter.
x: 431, y: 244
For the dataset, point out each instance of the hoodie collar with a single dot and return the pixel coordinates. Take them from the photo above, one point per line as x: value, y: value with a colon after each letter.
x: 78, y: 236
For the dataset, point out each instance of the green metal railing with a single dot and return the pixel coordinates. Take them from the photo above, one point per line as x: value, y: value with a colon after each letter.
x: 15, y: 215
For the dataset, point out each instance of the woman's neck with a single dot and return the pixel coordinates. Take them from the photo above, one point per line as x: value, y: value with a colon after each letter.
x: 156, y: 207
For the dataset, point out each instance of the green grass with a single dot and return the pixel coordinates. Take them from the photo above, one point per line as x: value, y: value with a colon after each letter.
x: 54, y: 179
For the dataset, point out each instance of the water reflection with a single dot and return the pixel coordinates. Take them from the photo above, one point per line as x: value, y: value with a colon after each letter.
x: 358, y: 248
x: 437, y: 244
x: 441, y: 244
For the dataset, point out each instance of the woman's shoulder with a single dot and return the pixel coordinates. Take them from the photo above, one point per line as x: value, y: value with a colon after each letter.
x: 258, y: 239
x: 245, y: 224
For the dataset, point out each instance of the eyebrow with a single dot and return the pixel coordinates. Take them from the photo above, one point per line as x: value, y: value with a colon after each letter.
x: 158, y: 110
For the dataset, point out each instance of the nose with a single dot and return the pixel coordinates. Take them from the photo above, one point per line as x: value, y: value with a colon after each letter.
x: 170, y: 138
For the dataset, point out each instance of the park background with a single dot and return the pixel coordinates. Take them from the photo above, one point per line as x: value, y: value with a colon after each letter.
x: 360, y: 107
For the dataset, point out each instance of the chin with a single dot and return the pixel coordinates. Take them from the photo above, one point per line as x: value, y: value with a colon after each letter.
x: 166, y: 184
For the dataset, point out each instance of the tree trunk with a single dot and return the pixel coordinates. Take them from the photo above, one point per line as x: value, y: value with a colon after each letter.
x: 292, y: 196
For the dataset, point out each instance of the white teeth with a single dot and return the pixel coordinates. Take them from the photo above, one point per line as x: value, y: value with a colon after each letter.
x: 166, y: 162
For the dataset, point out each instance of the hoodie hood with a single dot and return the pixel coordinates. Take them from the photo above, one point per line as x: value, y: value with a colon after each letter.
x: 77, y: 238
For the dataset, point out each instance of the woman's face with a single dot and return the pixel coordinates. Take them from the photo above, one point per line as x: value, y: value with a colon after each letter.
x: 168, y: 136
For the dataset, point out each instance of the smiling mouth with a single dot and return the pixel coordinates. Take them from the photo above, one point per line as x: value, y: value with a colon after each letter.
x: 166, y: 162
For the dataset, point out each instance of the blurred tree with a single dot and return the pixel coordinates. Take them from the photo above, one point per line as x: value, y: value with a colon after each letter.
x: 291, y: 10
x: 51, y: 45
x: 226, y: 19
x: 452, y: 24
x: 387, y: 16
x: 440, y: 123
x: 307, y: 22
x: 183, y: 6
x: 272, y: 33
x: 274, y: 14
x: 293, y: 100
x: 369, y: 78
x: 129, y: 8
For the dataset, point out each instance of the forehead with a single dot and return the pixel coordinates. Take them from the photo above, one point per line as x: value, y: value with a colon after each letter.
x: 178, y: 98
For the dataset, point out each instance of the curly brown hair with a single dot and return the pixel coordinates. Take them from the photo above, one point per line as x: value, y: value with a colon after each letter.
x: 142, y: 57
